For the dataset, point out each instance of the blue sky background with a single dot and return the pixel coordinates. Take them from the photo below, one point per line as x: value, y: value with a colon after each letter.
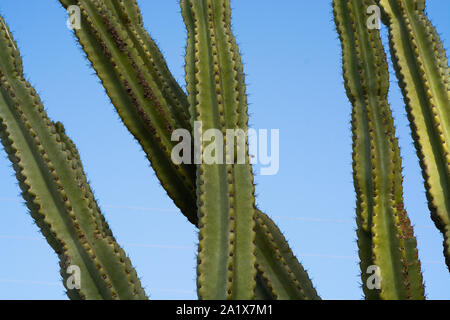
x: 293, y: 61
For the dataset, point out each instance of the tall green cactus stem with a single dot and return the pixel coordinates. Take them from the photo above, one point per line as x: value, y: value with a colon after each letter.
x: 424, y: 77
x: 385, y: 235
x: 55, y: 188
x: 225, y: 190
x: 131, y: 19
x: 137, y: 80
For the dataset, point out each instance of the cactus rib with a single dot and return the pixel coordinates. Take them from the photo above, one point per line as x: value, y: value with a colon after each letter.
x: 423, y: 72
x: 385, y: 235
x: 55, y: 188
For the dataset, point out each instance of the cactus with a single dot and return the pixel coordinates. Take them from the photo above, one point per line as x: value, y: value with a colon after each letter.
x: 225, y: 190
x: 422, y: 69
x: 242, y: 254
x: 99, y: 49
x: 121, y: 56
x: 385, y: 235
x: 55, y: 188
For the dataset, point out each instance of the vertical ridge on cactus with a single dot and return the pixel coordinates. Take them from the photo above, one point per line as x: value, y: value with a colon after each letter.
x: 385, y: 235
x: 424, y: 76
x: 55, y: 188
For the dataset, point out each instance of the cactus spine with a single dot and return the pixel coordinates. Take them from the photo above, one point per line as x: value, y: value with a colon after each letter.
x: 424, y: 77
x: 55, y: 188
x: 385, y: 235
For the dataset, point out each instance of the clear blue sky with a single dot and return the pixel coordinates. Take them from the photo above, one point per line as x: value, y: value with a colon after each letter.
x: 293, y: 61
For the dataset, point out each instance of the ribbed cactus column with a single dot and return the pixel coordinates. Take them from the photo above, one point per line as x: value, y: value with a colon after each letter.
x: 385, y: 235
x: 225, y: 190
x: 424, y: 77
x: 56, y: 191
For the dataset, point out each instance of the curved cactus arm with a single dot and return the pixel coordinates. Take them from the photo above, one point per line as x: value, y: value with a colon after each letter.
x: 385, y: 235
x: 225, y: 190
x: 279, y: 270
x: 136, y: 83
x: 422, y: 69
x: 56, y: 191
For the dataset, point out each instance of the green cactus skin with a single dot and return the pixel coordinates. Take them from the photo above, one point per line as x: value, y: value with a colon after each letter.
x: 55, y: 188
x: 155, y: 64
x: 424, y: 76
x: 225, y: 192
x: 385, y: 235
